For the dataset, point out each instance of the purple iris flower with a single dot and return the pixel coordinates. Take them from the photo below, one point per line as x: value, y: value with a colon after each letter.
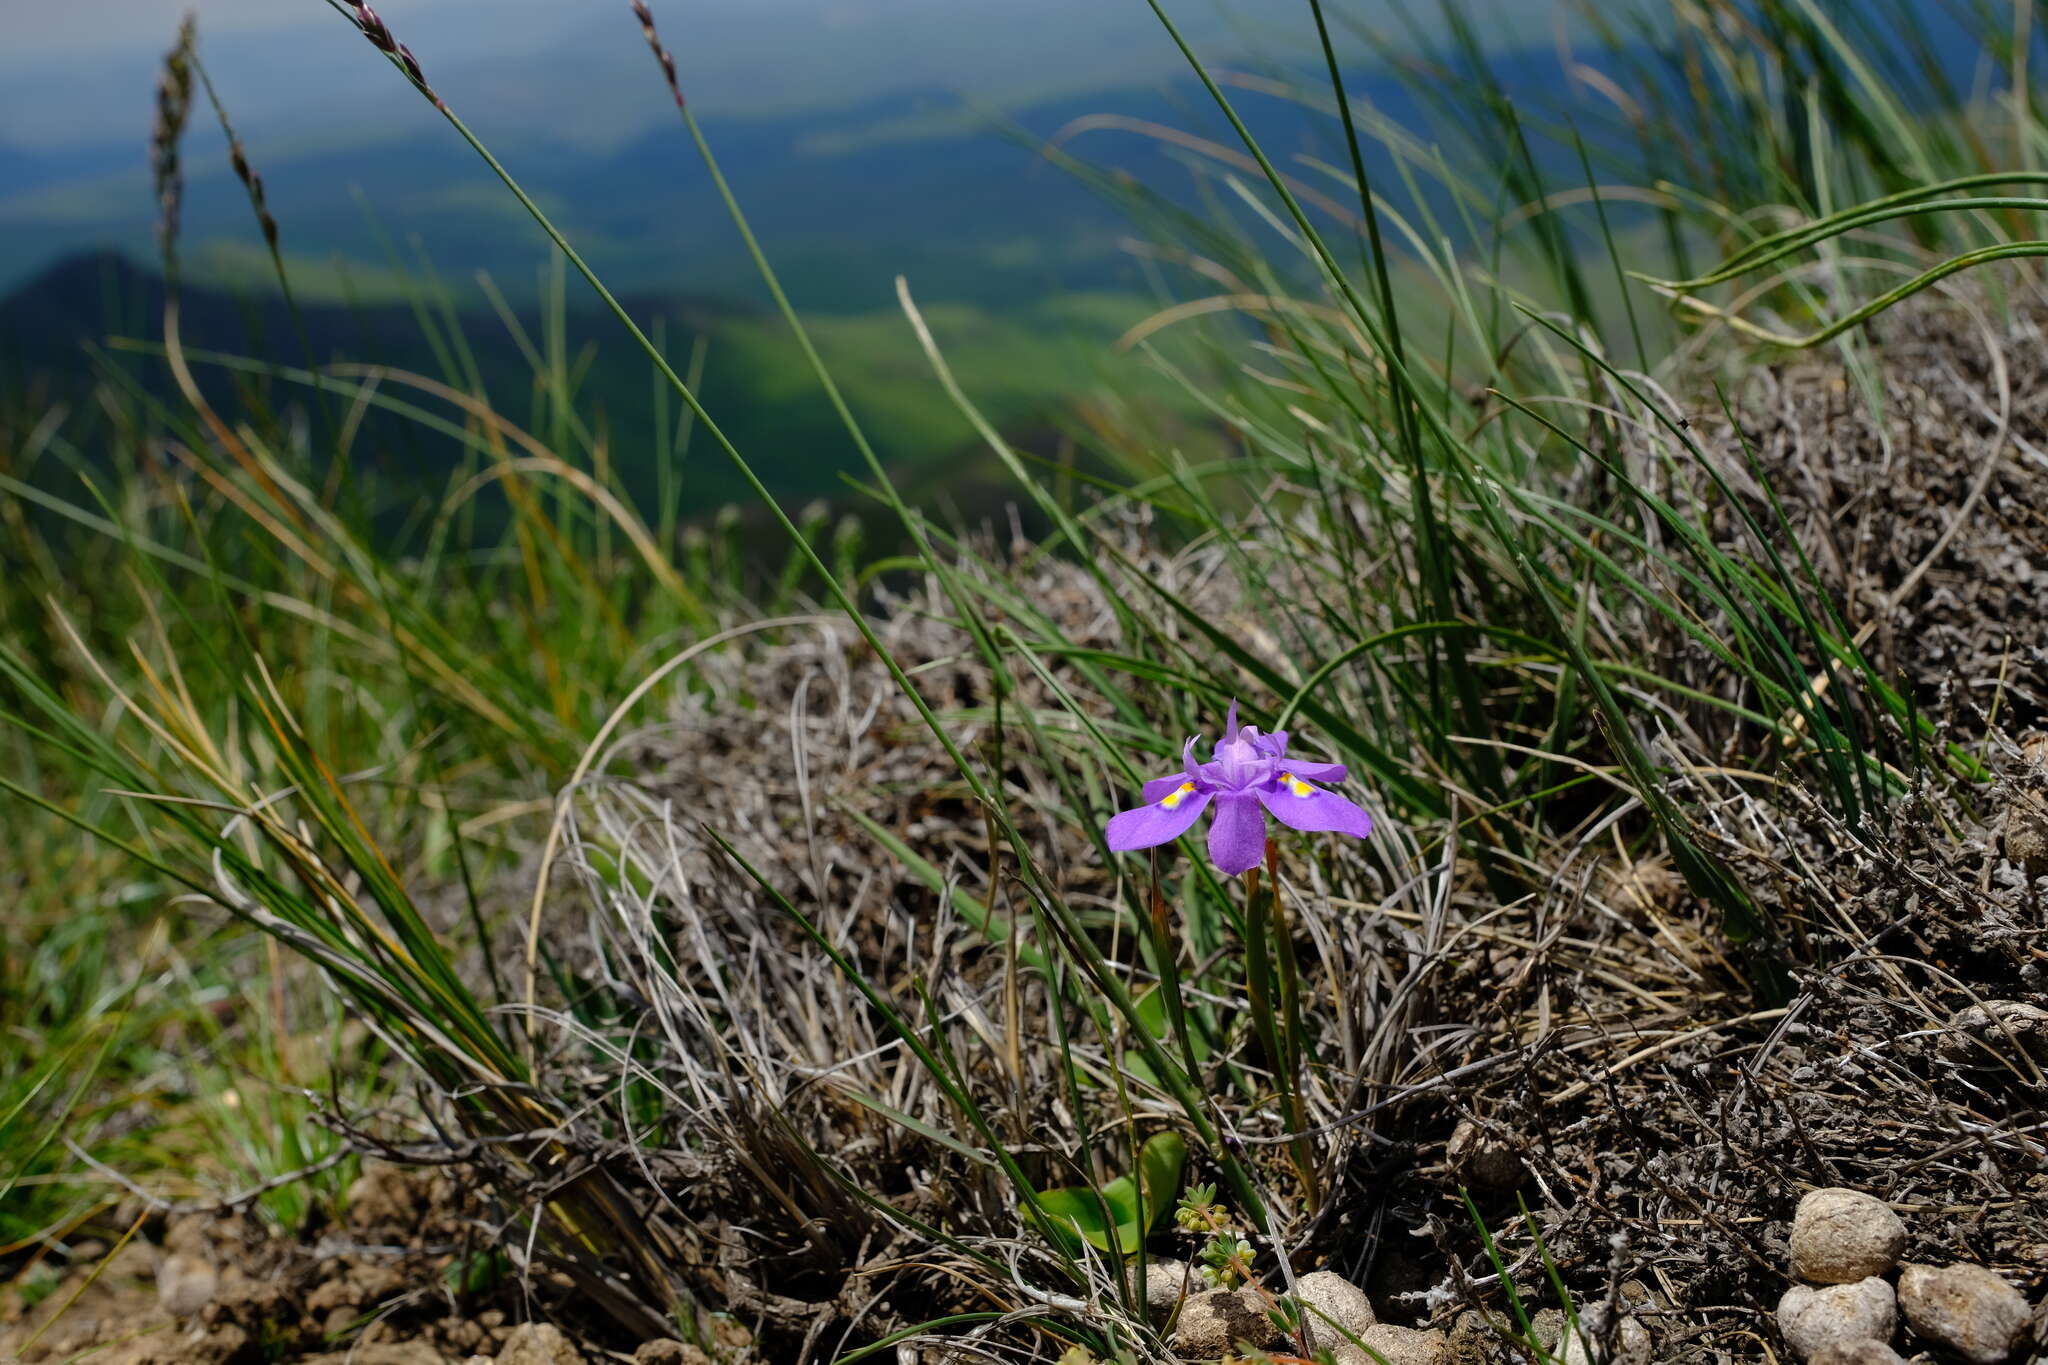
x: 1249, y: 776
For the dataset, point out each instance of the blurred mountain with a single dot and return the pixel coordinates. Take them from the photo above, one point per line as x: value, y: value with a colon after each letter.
x: 971, y: 212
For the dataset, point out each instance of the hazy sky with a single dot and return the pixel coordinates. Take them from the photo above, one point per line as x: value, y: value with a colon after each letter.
x: 78, y: 72
x: 38, y: 31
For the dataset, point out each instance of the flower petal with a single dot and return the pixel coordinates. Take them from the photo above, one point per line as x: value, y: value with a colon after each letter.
x: 1160, y: 786
x: 1274, y: 744
x: 1157, y: 823
x: 1312, y: 772
x: 1299, y: 806
x: 1237, y: 837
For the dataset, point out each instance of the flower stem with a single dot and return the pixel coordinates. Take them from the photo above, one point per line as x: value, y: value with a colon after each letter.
x: 1166, y: 955
x: 1288, y: 1064
x: 1270, y: 987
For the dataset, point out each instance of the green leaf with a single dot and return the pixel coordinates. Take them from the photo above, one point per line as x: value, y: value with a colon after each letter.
x: 1162, y: 1161
x: 478, y: 1272
x: 1109, y: 1217
x: 1081, y: 1208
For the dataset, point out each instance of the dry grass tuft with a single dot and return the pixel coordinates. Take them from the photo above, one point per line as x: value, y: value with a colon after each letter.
x: 1594, y: 1028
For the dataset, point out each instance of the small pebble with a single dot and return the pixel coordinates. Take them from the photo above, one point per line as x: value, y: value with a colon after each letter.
x: 1329, y: 1298
x: 668, y: 1351
x: 1630, y: 1341
x: 1839, y: 1315
x: 1966, y: 1308
x: 1215, y: 1323
x: 2026, y: 837
x: 537, y: 1343
x: 1981, y: 1034
x: 185, y: 1283
x: 1547, y: 1326
x: 1165, y: 1281
x: 1482, y: 1160
x: 1866, y: 1352
x: 1841, y: 1236
x: 1401, y: 1345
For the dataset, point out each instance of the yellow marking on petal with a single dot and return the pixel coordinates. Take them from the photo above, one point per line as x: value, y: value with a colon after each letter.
x: 1176, y: 796
x: 1296, y: 785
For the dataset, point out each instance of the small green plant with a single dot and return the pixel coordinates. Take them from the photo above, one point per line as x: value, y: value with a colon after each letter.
x: 1225, y: 1260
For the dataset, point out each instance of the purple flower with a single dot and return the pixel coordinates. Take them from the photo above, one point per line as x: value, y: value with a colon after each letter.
x: 1249, y: 776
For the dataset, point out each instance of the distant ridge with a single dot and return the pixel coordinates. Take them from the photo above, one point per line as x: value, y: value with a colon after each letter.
x: 63, y: 305
x: 55, y: 330
x: 85, y: 298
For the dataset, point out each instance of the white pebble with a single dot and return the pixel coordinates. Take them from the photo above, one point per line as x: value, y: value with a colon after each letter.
x: 1404, y: 1345
x: 1812, y: 1320
x: 185, y: 1283
x: 1866, y: 1352
x: 1329, y: 1298
x: 1216, y: 1323
x: 1840, y: 1236
x: 1966, y: 1308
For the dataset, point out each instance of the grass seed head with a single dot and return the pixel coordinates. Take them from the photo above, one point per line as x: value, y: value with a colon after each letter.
x: 238, y: 158
x: 173, y: 109
x: 661, y: 53
x: 379, y: 33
